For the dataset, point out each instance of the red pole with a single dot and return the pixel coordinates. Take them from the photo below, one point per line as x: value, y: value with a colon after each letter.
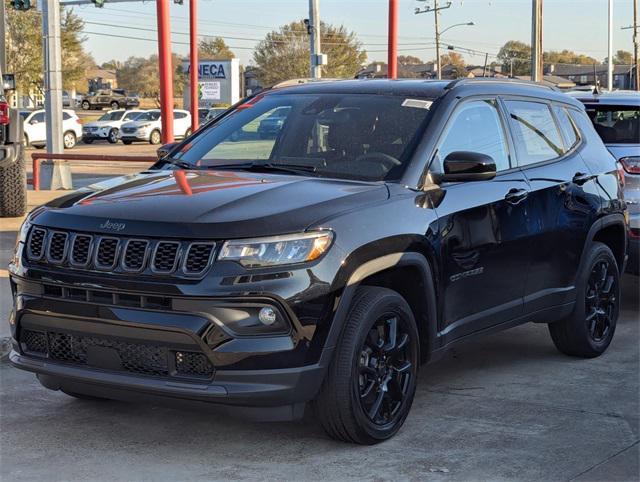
x: 392, y: 60
x: 36, y: 174
x: 165, y: 67
x: 193, y: 58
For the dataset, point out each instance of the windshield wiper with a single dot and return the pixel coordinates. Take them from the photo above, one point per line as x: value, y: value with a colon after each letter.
x: 266, y: 166
x: 181, y: 164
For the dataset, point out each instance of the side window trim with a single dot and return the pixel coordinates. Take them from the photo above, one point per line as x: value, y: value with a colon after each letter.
x: 455, y: 110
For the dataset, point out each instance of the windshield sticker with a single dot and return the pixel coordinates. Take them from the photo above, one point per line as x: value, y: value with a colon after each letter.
x: 417, y: 103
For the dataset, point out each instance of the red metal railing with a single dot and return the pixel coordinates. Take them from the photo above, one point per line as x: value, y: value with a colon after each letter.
x: 37, y: 157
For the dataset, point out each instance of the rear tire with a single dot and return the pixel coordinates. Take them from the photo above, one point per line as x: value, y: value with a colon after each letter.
x: 87, y: 141
x: 114, y: 105
x: 86, y: 105
x: 371, y: 381
x: 69, y: 140
x: 588, y: 331
x: 13, y: 188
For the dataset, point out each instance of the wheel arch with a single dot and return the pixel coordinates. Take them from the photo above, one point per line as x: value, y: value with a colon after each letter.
x: 612, y: 231
x: 408, y: 273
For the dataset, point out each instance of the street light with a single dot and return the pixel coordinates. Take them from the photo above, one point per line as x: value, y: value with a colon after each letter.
x: 438, y: 35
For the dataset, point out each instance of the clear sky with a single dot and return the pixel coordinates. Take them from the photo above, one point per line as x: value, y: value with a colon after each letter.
x: 578, y: 25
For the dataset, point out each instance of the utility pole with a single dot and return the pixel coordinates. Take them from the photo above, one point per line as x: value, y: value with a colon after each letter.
x: 610, y: 48
x: 435, y: 11
x: 314, y: 39
x: 636, y: 45
x: 3, y: 45
x: 536, y: 41
x: 53, y: 75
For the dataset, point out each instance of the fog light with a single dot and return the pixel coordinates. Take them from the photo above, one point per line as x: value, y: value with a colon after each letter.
x: 267, y: 316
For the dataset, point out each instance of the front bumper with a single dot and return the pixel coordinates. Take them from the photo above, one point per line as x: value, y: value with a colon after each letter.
x: 137, y: 136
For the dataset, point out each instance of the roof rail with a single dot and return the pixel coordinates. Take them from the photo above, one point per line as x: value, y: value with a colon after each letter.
x: 466, y: 80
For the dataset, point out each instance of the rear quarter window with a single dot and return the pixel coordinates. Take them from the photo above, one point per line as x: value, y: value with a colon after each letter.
x: 567, y: 127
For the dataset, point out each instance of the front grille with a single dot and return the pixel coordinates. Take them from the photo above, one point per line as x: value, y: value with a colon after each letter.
x: 129, y: 130
x: 36, y: 243
x: 106, y: 253
x: 165, y: 257
x: 81, y: 250
x: 57, y: 247
x: 119, y: 254
x: 135, y: 255
x: 191, y: 363
x: 198, y: 257
x: 139, y: 358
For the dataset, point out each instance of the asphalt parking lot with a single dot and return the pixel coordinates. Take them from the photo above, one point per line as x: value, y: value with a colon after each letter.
x: 507, y: 407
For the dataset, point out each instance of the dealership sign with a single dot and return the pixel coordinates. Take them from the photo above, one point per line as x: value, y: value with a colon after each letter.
x: 218, y: 82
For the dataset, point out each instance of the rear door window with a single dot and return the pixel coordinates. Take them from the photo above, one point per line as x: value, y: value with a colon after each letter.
x: 535, y: 132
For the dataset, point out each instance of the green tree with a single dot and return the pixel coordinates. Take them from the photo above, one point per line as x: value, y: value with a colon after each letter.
x: 24, y: 49
x: 621, y: 57
x: 214, y: 48
x: 140, y: 75
x: 409, y: 60
x: 517, y: 54
x: 455, y: 60
x: 284, y: 53
x: 567, y: 57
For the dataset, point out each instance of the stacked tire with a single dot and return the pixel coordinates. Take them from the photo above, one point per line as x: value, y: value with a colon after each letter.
x: 13, y: 187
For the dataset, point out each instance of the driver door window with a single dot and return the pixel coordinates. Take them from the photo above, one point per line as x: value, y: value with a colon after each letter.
x: 475, y: 127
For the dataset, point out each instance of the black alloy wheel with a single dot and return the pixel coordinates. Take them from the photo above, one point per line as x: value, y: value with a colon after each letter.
x: 384, y: 370
x: 601, y: 300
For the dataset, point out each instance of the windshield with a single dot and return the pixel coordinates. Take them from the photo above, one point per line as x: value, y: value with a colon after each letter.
x: 149, y: 116
x: 111, y: 116
x: 353, y: 136
x: 616, y: 124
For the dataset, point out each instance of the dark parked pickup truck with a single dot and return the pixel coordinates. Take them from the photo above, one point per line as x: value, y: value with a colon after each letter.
x: 381, y: 224
x: 113, y: 99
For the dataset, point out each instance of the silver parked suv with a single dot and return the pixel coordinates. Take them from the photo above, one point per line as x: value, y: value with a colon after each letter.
x: 616, y: 117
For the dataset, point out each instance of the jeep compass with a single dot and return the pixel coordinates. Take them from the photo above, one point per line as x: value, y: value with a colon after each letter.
x: 381, y: 223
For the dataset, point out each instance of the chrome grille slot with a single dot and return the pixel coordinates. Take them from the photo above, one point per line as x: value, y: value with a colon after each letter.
x: 106, y: 253
x: 35, y: 247
x: 135, y: 255
x: 165, y: 257
x: 80, y: 250
x: 198, y: 258
x: 57, y: 249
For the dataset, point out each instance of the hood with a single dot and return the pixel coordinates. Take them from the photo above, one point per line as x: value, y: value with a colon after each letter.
x: 207, y: 204
x: 99, y: 123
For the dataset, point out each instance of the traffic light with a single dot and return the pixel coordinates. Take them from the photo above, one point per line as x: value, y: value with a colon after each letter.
x: 21, y: 4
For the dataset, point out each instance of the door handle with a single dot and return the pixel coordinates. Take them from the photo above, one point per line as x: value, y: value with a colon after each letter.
x: 581, y: 178
x: 514, y: 196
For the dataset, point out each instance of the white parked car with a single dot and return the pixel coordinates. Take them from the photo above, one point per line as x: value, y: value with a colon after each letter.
x: 148, y: 127
x: 35, y: 128
x: 108, y: 126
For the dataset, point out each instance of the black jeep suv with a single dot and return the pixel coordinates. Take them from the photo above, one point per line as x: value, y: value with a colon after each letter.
x: 383, y: 223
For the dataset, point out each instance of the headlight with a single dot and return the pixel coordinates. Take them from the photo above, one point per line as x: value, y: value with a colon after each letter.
x: 277, y: 250
x: 144, y: 126
x: 24, y: 230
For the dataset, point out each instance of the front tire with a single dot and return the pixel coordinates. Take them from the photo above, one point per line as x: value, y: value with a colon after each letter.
x: 126, y: 142
x: 588, y: 331
x: 155, y: 138
x: 371, y: 381
x: 86, y: 105
x: 87, y: 140
x: 113, y: 136
x: 114, y: 105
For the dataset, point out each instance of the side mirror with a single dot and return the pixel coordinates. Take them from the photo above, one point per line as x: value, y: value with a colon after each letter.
x: 464, y: 166
x: 34, y: 122
x: 164, y: 151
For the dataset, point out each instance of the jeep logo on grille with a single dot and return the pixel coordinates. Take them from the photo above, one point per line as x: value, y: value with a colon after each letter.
x: 112, y: 226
